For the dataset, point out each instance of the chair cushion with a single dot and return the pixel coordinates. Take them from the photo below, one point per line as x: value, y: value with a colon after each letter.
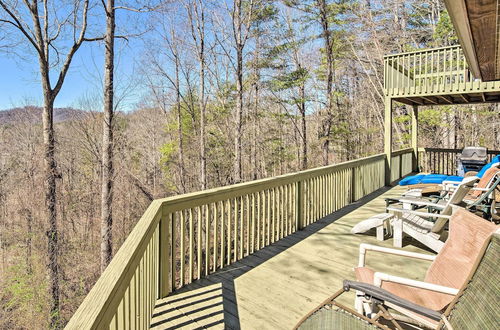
x: 483, y: 170
x: 412, y: 179
x: 433, y: 300
x: 428, y: 179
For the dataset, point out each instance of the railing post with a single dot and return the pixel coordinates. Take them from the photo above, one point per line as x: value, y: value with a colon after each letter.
x: 165, y: 278
x: 299, y: 204
x: 414, y: 136
x: 388, y: 139
x: 353, y: 184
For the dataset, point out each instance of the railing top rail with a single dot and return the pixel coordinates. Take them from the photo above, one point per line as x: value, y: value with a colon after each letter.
x: 402, y: 151
x: 174, y: 203
x: 426, y: 50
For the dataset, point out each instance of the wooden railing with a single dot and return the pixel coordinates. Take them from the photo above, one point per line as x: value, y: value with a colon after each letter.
x: 443, y: 161
x: 183, y: 238
x: 437, y: 71
x: 402, y: 163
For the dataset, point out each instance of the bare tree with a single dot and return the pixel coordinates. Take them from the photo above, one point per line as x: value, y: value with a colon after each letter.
x: 42, y: 33
x: 196, y: 13
x: 241, y: 20
x: 107, y: 139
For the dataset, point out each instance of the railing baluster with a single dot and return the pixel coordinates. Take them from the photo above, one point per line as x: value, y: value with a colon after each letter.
x: 215, y: 216
x: 247, y: 200
x: 228, y: 228
x: 252, y: 245
x: 236, y: 219
x: 198, y: 244
x: 222, y: 232
x: 191, y: 245
x: 241, y: 227
x: 207, y: 239
x: 182, y: 248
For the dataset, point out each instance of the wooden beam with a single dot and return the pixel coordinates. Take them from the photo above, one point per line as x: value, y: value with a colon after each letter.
x: 446, y: 98
x: 412, y: 101
x: 483, y: 96
x: 465, y: 98
x: 428, y: 98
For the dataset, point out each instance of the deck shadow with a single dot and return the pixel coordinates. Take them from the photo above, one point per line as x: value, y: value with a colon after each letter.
x: 221, y: 284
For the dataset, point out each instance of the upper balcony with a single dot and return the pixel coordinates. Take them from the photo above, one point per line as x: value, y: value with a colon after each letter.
x: 435, y: 76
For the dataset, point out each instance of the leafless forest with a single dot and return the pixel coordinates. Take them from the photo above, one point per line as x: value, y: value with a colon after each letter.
x: 232, y: 91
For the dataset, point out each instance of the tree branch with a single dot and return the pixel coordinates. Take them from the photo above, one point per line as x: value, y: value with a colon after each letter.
x: 19, y: 26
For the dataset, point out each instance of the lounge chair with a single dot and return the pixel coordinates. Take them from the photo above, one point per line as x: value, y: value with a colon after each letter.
x: 423, y: 180
x: 461, y: 290
x: 420, y: 225
x: 446, y: 186
x: 417, y: 224
x: 481, y: 197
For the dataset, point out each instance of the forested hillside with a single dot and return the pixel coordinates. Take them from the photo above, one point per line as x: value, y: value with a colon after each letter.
x: 231, y: 91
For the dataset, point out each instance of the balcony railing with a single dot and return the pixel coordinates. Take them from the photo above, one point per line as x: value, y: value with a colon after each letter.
x: 443, y: 161
x: 184, y: 238
x: 438, y: 71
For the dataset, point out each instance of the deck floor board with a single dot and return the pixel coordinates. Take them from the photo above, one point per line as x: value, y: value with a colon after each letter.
x: 276, y: 286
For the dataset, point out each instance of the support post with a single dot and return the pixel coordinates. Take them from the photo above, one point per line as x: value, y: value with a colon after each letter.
x: 299, y: 204
x: 388, y: 139
x: 414, y: 136
x: 164, y: 245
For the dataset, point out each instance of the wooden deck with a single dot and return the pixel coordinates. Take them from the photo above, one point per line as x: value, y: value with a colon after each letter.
x: 276, y: 286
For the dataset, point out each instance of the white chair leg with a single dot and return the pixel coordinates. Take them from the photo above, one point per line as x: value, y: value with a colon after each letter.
x: 397, y: 227
x: 358, y: 302
x: 380, y: 232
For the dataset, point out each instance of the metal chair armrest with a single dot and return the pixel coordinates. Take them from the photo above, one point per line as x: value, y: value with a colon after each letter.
x: 380, y: 295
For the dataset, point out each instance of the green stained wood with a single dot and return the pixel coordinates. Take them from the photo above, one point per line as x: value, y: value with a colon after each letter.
x: 199, y: 262
x: 191, y: 246
x: 236, y: 219
x: 182, y: 249
x: 242, y: 226
x: 222, y: 233
x: 388, y: 139
x: 153, y: 259
x: 208, y: 218
x: 216, y: 237
x: 247, y: 200
x: 267, y: 296
x: 430, y: 72
x: 414, y: 136
x: 165, y: 257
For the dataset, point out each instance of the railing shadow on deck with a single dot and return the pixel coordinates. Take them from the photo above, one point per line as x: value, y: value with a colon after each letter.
x: 221, y: 283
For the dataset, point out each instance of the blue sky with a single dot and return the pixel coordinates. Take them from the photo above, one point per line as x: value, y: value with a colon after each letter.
x: 20, y: 84
x: 19, y: 78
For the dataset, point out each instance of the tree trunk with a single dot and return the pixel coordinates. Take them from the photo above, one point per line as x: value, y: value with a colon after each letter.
x: 51, y: 200
x: 302, y: 108
x: 179, y: 125
x: 239, y: 115
x: 107, y: 141
x: 29, y: 228
x: 328, y: 120
x: 256, y: 108
x: 239, y: 45
x: 203, y: 159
